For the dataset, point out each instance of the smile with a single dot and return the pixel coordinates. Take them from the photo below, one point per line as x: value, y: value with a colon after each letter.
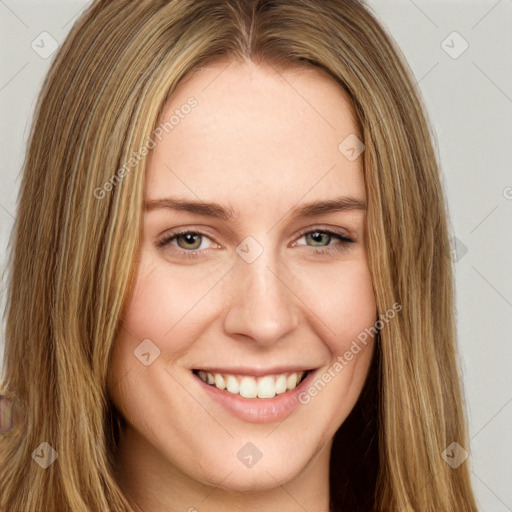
x: 246, y: 386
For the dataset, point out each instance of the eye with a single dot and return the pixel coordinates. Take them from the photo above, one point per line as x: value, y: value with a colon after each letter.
x: 189, y: 244
x: 322, y: 238
x: 187, y: 240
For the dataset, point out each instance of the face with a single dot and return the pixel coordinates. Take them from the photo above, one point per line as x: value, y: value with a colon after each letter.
x: 252, y: 277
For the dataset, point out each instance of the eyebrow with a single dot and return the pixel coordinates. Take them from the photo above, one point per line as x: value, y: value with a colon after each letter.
x: 216, y: 210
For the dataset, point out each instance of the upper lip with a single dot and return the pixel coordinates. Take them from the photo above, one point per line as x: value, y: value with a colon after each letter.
x: 256, y: 372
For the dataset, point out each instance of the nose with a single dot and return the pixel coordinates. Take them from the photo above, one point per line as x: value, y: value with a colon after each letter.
x: 262, y: 303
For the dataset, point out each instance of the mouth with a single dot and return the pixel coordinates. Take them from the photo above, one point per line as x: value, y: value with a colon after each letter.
x: 259, y: 387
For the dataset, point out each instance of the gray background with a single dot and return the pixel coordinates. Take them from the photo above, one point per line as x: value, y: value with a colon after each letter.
x: 469, y: 99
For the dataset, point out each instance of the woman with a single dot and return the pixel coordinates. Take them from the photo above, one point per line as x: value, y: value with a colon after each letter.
x: 302, y: 356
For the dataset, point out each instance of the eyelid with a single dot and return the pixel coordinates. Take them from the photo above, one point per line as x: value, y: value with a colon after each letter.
x: 331, y: 231
x: 166, y: 238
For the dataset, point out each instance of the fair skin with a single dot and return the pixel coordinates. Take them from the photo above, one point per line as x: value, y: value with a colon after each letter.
x: 262, y: 143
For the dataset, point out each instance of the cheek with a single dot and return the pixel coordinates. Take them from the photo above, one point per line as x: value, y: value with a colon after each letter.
x: 343, y: 299
x: 347, y: 310
x: 163, y: 299
x: 164, y: 308
x: 155, y: 304
x: 151, y: 311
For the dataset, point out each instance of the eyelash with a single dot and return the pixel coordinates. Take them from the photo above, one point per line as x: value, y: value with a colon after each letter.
x: 169, y: 237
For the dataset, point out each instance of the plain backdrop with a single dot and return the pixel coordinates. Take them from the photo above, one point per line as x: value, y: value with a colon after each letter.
x: 461, y: 55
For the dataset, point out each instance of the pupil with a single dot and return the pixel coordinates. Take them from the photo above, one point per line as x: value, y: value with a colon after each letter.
x: 189, y: 239
x: 317, y: 237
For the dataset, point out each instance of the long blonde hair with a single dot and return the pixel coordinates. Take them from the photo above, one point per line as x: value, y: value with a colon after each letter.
x: 73, y: 253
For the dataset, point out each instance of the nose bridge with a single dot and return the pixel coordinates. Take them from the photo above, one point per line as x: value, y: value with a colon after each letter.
x: 262, y: 306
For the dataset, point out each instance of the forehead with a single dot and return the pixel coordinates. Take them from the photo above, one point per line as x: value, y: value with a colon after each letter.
x: 256, y: 132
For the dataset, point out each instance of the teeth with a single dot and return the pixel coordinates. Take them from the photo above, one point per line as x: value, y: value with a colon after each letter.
x: 280, y: 384
x: 267, y: 386
x: 248, y: 387
x: 291, y: 381
x: 232, y: 384
x: 219, y: 381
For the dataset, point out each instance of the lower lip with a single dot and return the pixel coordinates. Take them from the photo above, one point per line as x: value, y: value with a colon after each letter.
x: 258, y: 410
